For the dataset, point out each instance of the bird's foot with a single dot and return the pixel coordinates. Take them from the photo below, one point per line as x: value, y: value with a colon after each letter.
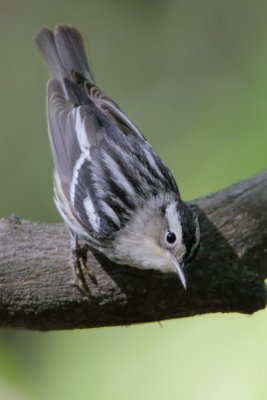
x: 80, y: 268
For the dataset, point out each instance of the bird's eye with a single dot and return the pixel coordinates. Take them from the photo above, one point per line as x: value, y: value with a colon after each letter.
x: 171, y: 237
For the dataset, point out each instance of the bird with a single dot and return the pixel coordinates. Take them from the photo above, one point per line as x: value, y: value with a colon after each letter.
x: 110, y: 186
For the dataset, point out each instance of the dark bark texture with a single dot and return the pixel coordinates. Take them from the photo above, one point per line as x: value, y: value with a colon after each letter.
x: 36, y: 290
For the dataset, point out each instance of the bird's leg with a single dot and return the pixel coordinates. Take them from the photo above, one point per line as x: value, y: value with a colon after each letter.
x: 79, y: 265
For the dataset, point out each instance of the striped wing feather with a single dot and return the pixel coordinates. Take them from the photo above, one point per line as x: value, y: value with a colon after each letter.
x: 105, y: 166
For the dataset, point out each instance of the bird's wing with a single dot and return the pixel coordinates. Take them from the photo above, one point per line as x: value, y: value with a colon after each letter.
x: 73, y: 132
x: 134, y: 143
x: 105, y: 165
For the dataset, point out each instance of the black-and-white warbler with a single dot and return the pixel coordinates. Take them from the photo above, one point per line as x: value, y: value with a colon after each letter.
x: 111, y: 187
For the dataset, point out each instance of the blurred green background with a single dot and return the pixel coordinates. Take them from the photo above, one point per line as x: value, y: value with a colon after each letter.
x: 193, y: 76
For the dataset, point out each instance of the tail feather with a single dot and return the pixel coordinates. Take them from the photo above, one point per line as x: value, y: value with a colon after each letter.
x: 64, y: 53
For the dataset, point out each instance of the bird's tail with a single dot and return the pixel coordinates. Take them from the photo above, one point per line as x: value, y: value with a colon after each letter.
x: 64, y: 53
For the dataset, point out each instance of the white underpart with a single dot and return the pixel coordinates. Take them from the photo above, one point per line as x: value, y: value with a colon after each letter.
x: 118, y: 175
x: 152, y: 162
x: 91, y: 213
x: 174, y: 221
x: 111, y: 213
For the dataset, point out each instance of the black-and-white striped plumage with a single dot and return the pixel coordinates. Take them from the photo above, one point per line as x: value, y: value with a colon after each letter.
x: 109, y: 182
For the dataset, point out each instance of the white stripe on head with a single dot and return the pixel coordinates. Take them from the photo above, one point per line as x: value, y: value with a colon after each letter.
x: 174, y: 221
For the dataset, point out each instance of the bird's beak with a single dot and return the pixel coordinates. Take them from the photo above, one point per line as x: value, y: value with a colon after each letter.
x: 178, y: 266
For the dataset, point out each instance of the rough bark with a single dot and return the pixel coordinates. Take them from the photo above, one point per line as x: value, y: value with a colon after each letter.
x: 228, y: 275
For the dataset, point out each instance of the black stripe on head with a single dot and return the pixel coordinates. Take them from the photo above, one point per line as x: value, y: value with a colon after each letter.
x: 189, y: 225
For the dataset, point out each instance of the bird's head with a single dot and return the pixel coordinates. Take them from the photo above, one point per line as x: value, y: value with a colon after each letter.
x: 163, y: 235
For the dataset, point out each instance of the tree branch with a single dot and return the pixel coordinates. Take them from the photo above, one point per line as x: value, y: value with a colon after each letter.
x: 227, y: 276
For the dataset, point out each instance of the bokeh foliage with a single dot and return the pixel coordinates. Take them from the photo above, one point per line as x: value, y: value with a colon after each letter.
x: 193, y: 76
